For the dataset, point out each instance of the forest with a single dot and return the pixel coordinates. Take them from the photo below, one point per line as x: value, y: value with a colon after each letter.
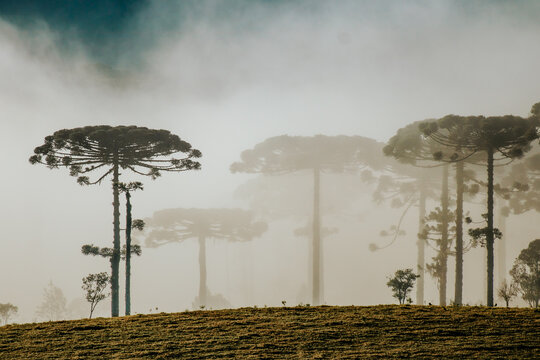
x: 290, y: 177
x: 443, y: 167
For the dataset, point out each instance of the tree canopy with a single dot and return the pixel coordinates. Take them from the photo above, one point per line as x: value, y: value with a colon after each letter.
x: 283, y: 154
x: 175, y: 225
x: 526, y: 272
x: 89, y: 148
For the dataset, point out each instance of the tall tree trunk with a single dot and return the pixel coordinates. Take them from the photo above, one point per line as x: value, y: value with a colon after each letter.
x: 128, y: 253
x: 444, y: 238
x: 501, y: 246
x: 316, y: 237
x: 458, y: 294
x: 202, y: 271
x: 115, y: 259
x: 420, y: 267
x: 490, y: 236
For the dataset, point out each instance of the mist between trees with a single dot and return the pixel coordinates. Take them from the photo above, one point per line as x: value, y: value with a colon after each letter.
x: 318, y: 213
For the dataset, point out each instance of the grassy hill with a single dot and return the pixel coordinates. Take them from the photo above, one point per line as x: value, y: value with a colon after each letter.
x: 325, y: 332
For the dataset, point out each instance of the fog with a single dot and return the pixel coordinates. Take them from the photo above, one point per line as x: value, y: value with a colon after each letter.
x: 225, y: 76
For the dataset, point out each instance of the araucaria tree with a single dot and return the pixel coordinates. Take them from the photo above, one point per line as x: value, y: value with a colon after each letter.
x: 318, y: 154
x: 177, y: 225
x: 139, y: 225
x: 402, y: 284
x: 408, y: 146
x: 107, y: 150
x: 94, y: 285
x: 498, y: 137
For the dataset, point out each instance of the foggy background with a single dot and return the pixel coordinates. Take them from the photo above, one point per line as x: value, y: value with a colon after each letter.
x: 224, y: 76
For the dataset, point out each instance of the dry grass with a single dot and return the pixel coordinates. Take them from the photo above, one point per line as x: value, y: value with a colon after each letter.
x: 292, y: 332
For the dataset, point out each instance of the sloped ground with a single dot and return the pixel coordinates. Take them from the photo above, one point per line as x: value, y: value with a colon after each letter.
x: 291, y: 332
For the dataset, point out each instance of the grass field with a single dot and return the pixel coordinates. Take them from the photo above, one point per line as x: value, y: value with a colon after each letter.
x: 327, y: 332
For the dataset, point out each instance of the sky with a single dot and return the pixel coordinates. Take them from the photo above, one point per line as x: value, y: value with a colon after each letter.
x: 224, y: 76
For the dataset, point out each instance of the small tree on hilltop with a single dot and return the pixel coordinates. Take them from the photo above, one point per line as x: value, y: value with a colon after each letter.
x: 526, y: 273
x: 507, y: 291
x: 7, y: 311
x: 94, y: 285
x: 402, y: 284
x: 110, y: 149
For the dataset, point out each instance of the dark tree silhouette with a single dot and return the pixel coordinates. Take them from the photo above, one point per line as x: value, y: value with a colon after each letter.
x: 506, y: 136
x: 177, y: 225
x: 507, y: 291
x: 130, y: 224
x: 109, y: 149
x: 526, y: 273
x: 94, y: 285
x: 402, y: 284
x: 285, y: 154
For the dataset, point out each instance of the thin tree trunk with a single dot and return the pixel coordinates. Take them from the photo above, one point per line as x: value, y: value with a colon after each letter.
x: 490, y: 236
x: 501, y: 246
x: 115, y: 259
x: 444, y: 238
x: 202, y: 271
x: 316, y: 237
x: 420, y: 268
x: 458, y: 295
x: 128, y: 253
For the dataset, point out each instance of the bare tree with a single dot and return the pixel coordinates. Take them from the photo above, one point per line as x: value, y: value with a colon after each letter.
x: 507, y: 291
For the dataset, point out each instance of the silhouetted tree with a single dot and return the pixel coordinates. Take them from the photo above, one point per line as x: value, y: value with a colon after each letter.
x: 94, y: 285
x: 285, y: 154
x: 109, y: 149
x: 526, y: 273
x: 177, y: 225
x: 7, y: 311
x: 139, y: 225
x: 507, y: 291
x: 402, y: 284
x: 508, y: 136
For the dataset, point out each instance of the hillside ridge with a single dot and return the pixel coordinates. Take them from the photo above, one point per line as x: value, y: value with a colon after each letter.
x: 301, y: 332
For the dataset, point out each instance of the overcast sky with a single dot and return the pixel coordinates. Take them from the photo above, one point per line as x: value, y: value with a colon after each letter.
x: 225, y: 75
